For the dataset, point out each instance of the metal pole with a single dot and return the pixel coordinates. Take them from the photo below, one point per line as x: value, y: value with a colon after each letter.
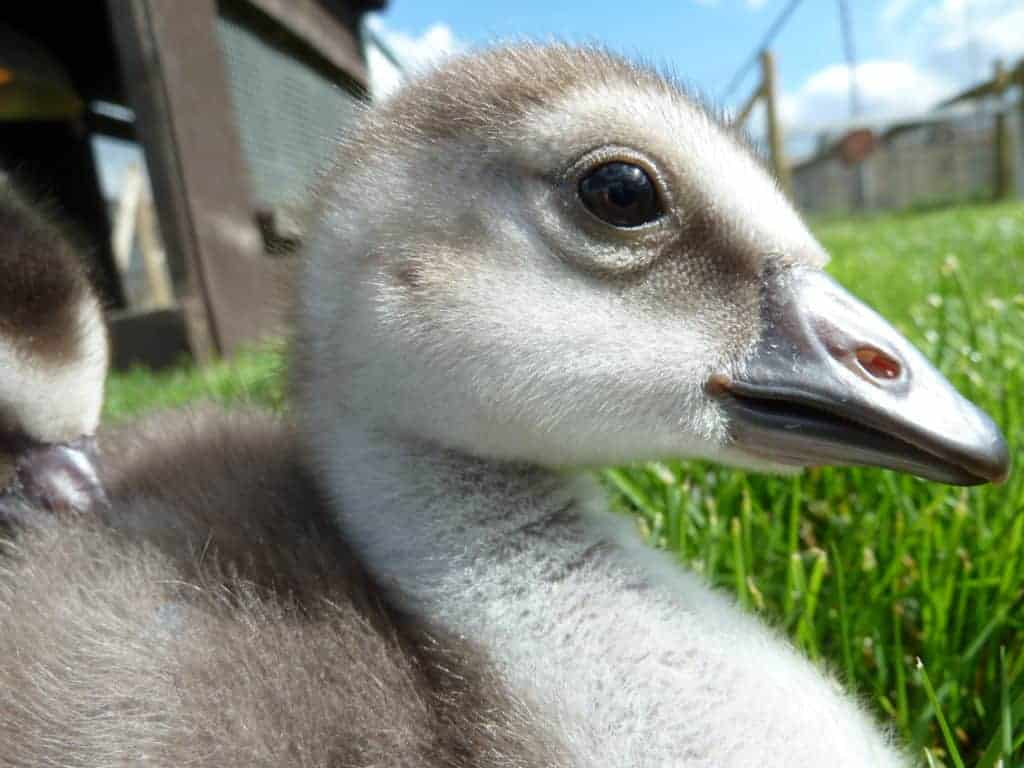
x: 851, y: 57
x: 1004, y: 181
x: 859, y: 194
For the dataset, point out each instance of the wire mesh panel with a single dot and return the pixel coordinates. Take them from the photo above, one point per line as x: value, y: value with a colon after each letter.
x: 932, y: 162
x: 289, y: 106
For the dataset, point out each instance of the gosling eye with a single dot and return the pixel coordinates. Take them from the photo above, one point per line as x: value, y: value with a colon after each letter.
x: 621, y: 194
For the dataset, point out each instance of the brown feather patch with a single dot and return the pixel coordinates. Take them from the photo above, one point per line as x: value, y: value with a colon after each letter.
x: 43, y: 281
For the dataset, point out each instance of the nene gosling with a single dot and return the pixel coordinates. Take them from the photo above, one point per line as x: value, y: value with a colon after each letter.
x: 532, y: 259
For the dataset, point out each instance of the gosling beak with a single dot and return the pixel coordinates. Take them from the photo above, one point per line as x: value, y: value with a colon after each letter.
x: 53, y: 478
x: 831, y: 382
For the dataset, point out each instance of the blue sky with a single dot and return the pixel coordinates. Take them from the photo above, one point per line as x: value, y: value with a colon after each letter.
x: 706, y: 42
x: 912, y: 52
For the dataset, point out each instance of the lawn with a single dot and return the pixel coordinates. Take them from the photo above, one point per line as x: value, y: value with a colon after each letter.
x: 913, y: 593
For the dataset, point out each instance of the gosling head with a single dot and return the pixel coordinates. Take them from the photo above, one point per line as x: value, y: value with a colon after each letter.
x: 552, y: 255
x: 53, y: 362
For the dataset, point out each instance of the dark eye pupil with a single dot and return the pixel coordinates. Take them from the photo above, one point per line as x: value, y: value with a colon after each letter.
x: 621, y: 194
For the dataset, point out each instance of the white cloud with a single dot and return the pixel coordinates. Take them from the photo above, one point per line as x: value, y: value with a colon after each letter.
x: 887, y: 87
x: 958, y: 38
x: 756, y: 5
x: 939, y: 47
x: 414, y: 52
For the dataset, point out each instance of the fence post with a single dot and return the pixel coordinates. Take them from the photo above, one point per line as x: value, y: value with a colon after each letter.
x: 1004, y: 180
x: 775, y: 140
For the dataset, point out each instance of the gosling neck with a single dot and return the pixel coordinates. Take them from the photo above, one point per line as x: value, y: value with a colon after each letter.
x: 633, y: 659
x: 430, y: 521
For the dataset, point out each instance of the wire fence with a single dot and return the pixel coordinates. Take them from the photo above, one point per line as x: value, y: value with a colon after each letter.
x: 938, y: 157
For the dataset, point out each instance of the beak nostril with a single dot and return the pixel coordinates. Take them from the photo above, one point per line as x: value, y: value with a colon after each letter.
x: 877, y: 364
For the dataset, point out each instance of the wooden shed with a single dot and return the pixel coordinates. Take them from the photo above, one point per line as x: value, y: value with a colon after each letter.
x: 233, y: 103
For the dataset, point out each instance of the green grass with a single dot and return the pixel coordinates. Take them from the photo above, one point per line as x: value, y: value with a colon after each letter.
x: 912, y: 592
x: 254, y: 376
